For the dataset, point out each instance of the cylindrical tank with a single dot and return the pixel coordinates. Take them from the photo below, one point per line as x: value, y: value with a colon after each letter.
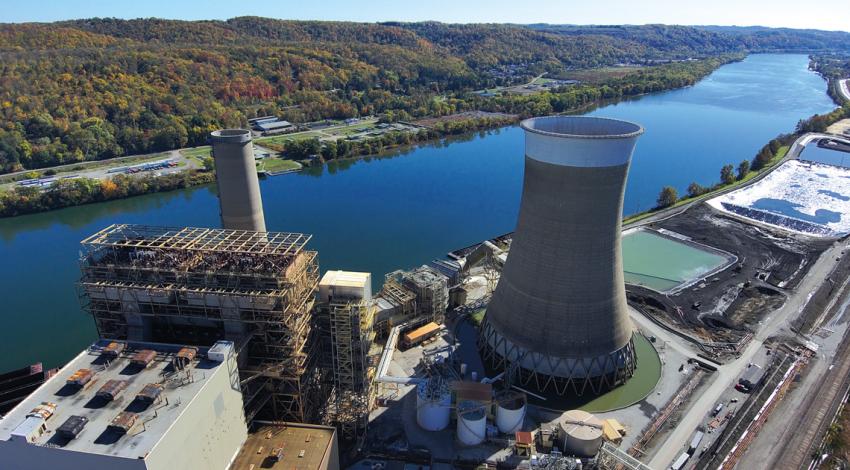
x: 471, y: 423
x: 236, y: 176
x: 580, y: 433
x: 433, y: 405
x: 559, y: 310
x: 510, y: 414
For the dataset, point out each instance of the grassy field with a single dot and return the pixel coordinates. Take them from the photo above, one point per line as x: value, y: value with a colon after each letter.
x: 282, y: 139
x: 600, y: 74
x: 198, y: 153
x: 275, y: 165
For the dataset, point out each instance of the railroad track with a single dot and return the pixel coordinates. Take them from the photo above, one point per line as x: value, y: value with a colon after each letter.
x: 820, y: 408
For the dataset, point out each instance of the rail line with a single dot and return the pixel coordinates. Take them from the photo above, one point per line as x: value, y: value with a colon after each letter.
x: 820, y: 408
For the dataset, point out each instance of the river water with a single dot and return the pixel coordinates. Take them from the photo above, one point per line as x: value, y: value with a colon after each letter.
x: 399, y: 211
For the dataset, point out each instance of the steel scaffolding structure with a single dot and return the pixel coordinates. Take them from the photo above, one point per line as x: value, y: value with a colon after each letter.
x: 351, y: 336
x: 196, y: 286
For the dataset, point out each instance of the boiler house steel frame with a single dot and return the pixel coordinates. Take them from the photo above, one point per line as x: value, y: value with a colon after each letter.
x: 257, y: 286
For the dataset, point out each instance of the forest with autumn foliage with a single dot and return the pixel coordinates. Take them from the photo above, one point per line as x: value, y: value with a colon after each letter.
x: 100, y: 88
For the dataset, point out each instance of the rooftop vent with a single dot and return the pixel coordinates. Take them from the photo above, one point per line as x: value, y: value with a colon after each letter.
x: 45, y: 410
x: 112, y: 389
x: 80, y: 377
x: 123, y: 422
x: 150, y: 393
x: 72, y: 427
x: 112, y: 350
x: 184, y: 357
x: 143, y: 358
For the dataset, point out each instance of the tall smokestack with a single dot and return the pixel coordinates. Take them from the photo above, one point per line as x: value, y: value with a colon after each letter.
x: 236, y: 175
x: 558, y: 319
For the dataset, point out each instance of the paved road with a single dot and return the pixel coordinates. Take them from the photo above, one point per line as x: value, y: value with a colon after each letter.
x: 728, y: 373
x: 844, y: 88
x: 104, y: 173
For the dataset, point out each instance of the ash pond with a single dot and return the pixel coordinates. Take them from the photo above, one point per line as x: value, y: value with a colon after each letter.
x: 666, y: 262
x: 402, y: 210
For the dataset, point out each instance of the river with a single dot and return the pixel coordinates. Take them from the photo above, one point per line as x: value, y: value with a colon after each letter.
x: 399, y: 211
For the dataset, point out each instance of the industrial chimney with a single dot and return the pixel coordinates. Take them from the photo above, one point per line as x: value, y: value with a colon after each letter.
x: 558, y: 320
x: 236, y: 175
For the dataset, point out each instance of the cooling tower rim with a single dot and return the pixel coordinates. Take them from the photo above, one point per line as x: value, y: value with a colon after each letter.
x: 582, y: 127
x: 230, y: 136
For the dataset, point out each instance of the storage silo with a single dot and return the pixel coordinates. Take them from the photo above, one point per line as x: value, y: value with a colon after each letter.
x: 510, y: 413
x: 558, y: 318
x: 580, y: 433
x: 471, y: 423
x: 236, y: 176
x: 433, y: 405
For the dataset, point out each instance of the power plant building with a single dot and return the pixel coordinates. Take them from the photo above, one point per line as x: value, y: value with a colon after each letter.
x: 199, y: 285
x: 558, y: 319
x: 236, y: 177
x: 131, y: 406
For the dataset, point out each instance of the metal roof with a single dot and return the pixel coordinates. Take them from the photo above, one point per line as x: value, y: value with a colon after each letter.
x: 79, y: 401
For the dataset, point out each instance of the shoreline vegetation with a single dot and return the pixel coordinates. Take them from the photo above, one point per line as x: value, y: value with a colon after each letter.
x: 831, y: 69
x: 79, y: 191
x: 502, y: 109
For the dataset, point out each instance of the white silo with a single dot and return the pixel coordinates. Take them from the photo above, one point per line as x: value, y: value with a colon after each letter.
x: 510, y: 413
x: 471, y: 423
x: 433, y: 405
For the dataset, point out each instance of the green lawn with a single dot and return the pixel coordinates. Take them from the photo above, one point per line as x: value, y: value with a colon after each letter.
x: 352, y: 129
x: 282, y: 139
x: 198, y: 153
x: 274, y: 165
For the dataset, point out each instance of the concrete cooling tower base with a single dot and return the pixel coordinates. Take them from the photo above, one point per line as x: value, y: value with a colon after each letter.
x: 553, y: 374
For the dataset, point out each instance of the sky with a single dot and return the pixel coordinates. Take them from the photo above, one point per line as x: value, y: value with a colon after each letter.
x: 817, y: 14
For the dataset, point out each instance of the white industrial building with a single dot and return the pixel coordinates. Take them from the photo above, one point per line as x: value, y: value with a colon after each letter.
x: 133, y: 406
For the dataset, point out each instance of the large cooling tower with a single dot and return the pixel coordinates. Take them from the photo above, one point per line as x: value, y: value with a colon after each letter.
x: 236, y: 175
x: 558, y: 320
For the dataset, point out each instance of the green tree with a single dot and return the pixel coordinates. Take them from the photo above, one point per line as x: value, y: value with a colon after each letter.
x: 727, y: 174
x: 743, y: 169
x: 695, y: 189
x: 667, y: 197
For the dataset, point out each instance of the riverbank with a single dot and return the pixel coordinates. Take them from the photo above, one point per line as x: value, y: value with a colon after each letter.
x: 788, y: 147
x: 381, y: 214
x: 19, y: 201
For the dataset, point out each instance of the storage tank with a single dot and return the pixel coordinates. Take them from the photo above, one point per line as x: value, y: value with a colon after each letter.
x: 510, y: 413
x: 580, y: 433
x: 236, y: 176
x: 558, y: 315
x: 471, y: 423
x: 433, y: 405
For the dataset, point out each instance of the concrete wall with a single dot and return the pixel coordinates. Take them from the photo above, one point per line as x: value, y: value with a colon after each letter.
x: 19, y: 455
x: 236, y: 176
x: 211, y: 429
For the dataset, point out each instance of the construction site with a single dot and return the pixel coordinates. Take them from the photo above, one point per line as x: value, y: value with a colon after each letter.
x: 558, y: 346
x: 196, y: 286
